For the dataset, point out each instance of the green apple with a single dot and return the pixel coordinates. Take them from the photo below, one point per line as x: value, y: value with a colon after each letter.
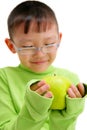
x: 58, y: 86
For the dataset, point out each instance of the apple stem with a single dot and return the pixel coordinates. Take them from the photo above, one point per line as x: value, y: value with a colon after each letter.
x: 54, y: 74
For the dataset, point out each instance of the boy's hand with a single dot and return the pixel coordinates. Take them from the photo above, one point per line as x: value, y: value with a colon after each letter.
x: 42, y: 88
x: 76, y: 92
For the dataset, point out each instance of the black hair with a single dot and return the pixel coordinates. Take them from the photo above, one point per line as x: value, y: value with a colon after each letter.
x: 28, y: 12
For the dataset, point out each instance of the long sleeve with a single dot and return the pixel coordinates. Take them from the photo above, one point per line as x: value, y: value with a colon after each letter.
x: 33, y: 113
x: 35, y: 109
x: 66, y: 119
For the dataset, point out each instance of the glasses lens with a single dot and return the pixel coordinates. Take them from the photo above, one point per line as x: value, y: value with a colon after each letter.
x: 26, y: 51
x: 49, y: 48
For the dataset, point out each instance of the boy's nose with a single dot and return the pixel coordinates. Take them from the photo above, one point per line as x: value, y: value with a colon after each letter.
x: 39, y: 52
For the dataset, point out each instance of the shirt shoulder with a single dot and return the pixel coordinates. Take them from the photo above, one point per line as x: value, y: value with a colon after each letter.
x: 72, y: 76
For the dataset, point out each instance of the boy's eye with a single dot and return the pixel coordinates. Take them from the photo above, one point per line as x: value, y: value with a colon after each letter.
x: 49, y: 44
x: 27, y: 46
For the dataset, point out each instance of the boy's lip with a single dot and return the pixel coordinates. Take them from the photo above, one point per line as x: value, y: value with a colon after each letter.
x: 39, y: 62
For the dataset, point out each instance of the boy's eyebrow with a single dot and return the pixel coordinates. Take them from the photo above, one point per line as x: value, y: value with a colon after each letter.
x: 51, y: 38
x: 25, y: 40
x: 30, y: 39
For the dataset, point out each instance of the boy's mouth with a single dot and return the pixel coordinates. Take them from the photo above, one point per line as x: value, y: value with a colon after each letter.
x: 39, y: 62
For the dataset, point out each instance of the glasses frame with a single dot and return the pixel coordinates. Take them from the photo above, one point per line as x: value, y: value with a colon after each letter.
x: 19, y: 49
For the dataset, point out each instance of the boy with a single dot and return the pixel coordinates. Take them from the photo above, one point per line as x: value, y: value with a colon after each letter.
x: 34, y: 35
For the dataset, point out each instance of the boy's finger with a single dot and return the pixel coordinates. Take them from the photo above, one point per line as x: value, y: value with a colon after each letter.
x: 71, y: 93
x: 48, y: 94
x: 81, y: 89
x: 76, y: 91
x: 37, y: 85
x: 43, y: 89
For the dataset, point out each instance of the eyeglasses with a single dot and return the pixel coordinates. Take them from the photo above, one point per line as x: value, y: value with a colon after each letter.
x: 32, y: 49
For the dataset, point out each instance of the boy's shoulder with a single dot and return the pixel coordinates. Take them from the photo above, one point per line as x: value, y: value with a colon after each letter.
x: 7, y: 69
x: 64, y: 71
x: 68, y: 74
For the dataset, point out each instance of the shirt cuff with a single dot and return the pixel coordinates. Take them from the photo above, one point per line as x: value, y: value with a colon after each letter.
x: 36, y: 104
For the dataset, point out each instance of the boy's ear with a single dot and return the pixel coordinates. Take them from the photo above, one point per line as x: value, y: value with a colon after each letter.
x: 10, y: 45
x: 60, y: 36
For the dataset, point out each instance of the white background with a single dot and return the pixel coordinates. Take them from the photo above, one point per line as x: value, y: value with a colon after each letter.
x: 72, y: 18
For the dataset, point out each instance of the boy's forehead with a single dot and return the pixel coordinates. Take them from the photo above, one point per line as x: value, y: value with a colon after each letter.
x: 34, y: 35
x: 35, y: 26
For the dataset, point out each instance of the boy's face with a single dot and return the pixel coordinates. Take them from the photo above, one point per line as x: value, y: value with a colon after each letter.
x: 39, y: 61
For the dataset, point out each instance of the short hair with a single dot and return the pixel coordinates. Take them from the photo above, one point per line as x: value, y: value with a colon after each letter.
x: 28, y: 12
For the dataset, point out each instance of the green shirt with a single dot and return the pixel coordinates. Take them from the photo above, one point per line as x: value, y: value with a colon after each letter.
x: 23, y: 109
